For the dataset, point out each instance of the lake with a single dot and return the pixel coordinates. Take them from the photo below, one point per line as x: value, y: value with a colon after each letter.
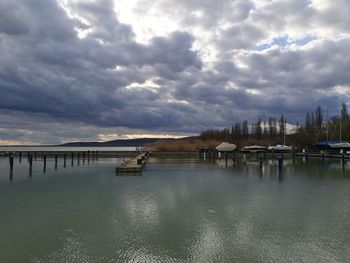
x: 179, y: 210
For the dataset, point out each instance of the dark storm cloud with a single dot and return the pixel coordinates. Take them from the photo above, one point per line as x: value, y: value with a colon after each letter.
x: 73, y: 78
x: 105, y: 78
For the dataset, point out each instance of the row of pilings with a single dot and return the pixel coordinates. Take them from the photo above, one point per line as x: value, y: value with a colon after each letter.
x: 237, y: 156
x: 67, y: 157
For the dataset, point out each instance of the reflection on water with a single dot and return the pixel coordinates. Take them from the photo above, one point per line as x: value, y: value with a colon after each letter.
x: 179, y: 210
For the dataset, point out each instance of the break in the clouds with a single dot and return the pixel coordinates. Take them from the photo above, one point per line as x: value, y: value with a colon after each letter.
x: 99, y: 70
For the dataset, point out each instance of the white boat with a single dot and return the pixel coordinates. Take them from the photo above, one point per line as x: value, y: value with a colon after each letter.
x: 341, y: 145
x: 253, y: 148
x: 280, y: 148
x: 226, y: 147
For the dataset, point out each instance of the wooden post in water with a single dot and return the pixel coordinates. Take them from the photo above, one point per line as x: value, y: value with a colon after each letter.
x: 322, y: 156
x: 72, y: 158
x: 44, y: 163
x: 30, y: 159
x: 83, y: 157
x: 96, y: 155
x: 56, y: 157
x: 261, y: 163
x: 20, y: 157
x: 78, y: 158
x: 34, y: 156
x: 280, y: 164
x: 65, y: 160
x: 226, y: 159
x: 11, y: 161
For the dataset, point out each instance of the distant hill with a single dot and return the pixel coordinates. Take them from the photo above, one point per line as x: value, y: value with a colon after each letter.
x: 117, y: 143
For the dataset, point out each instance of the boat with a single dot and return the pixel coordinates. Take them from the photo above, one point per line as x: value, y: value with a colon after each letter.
x: 280, y: 148
x: 326, y: 145
x: 340, y: 145
x: 226, y: 147
x: 253, y: 148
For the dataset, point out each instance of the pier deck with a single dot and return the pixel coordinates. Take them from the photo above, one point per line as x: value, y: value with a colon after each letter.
x: 133, y: 166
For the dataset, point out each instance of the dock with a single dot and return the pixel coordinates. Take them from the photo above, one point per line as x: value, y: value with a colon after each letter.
x: 133, y: 166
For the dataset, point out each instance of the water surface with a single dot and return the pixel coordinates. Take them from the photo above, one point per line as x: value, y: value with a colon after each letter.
x: 179, y: 210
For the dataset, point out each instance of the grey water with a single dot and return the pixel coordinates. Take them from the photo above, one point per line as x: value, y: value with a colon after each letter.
x: 178, y: 210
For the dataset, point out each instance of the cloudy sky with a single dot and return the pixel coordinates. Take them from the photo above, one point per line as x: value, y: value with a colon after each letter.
x: 101, y: 70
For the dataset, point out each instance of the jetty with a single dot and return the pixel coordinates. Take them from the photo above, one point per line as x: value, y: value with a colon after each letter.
x: 133, y: 166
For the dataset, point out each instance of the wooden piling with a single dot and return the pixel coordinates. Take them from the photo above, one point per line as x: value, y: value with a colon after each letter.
x: 280, y: 164
x: 65, y: 160
x: 56, y: 158
x: 72, y: 158
x: 30, y: 160
x: 11, y: 161
x: 261, y: 163
x: 78, y: 158
x: 44, y: 162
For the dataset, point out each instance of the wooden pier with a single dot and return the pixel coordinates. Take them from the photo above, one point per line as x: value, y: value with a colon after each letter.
x: 133, y: 166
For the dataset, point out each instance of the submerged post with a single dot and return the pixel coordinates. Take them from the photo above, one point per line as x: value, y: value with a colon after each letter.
x: 226, y: 159
x: 30, y: 159
x: 322, y: 156
x: 261, y: 163
x: 11, y: 161
x: 83, y: 157
x: 280, y: 164
x: 44, y: 163
x: 65, y: 160
x: 56, y: 157
x: 78, y: 158
x: 72, y: 158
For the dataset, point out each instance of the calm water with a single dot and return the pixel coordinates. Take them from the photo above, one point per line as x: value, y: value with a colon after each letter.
x: 179, y: 210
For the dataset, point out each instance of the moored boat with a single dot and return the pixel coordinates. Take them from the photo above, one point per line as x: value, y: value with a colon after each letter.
x: 280, y: 148
x: 340, y: 145
x: 253, y: 148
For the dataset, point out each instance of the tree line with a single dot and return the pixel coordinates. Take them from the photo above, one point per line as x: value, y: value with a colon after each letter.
x: 316, y: 127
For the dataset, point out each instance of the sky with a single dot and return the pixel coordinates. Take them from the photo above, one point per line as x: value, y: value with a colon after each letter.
x: 84, y: 70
